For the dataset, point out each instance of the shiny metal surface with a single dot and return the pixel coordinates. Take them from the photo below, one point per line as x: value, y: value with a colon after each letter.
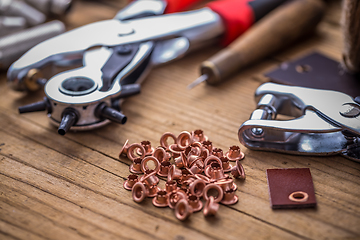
x: 315, y: 130
x: 20, y: 8
x: 197, y: 26
x: 86, y: 104
x: 14, y: 45
x: 11, y: 24
x: 55, y: 7
x: 141, y: 8
x: 161, y: 39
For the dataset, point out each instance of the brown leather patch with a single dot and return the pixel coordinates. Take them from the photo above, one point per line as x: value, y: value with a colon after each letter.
x: 291, y: 188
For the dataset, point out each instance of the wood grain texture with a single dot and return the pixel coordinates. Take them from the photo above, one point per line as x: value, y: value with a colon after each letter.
x: 54, y: 187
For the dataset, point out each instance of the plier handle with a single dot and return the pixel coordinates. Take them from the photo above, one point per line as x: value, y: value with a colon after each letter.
x: 121, y: 51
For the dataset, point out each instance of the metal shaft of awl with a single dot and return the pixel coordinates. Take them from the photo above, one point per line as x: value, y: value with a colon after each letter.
x: 14, y: 45
x: 11, y: 24
x: 51, y: 7
x: 22, y: 9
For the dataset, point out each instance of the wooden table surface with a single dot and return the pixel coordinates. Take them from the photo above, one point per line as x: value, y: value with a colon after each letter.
x: 71, y: 187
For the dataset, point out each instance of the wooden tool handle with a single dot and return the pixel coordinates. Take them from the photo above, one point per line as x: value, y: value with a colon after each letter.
x: 351, y: 31
x: 278, y: 29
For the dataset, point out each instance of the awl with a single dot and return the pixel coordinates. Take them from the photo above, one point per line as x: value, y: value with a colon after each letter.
x: 278, y: 29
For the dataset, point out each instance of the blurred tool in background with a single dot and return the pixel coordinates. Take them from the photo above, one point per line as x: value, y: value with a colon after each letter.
x: 16, y: 15
x: 351, y: 34
x: 11, y: 24
x: 278, y: 29
x: 14, y: 45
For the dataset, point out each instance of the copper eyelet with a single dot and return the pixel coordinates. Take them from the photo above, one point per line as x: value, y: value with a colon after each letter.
x: 238, y: 171
x: 229, y: 197
x: 124, y: 148
x: 163, y: 140
x: 216, y: 187
x: 235, y: 154
x: 161, y: 199
x: 130, y: 182
x: 183, y: 140
x: 183, y: 210
x: 144, y: 166
x: 140, y: 151
x: 197, y: 187
x: 195, y: 203
x: 139, y: 192
x: 175, y: 197
x: 135, y: 167
x: 211, y: 207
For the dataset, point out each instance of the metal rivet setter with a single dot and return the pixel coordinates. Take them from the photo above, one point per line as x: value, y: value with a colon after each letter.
x: 235, y: 153
x: 183, y: 210
x: 130, y: 182
x: 161, y: 199
x: 164, y: 138
x: 216, y: 187
x: 238, y: 171
x: 139, y: 192
x: 210, y: 207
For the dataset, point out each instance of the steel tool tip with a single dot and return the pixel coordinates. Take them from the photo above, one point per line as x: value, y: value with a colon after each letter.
x: 199, y: 80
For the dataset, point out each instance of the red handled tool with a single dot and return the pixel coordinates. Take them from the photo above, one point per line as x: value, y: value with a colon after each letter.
x: 280, y: 28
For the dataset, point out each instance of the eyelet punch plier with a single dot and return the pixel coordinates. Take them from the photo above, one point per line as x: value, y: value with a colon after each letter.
x: 325, y: 122
x: 127, y: 47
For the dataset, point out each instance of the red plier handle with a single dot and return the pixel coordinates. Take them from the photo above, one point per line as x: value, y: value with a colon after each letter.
x: 237, y: 15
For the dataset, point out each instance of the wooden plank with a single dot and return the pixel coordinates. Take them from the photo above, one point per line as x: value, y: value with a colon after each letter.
x: 14, y: 232
x: 256, y: 184
x: 85, y: 177
x: 56, y: 187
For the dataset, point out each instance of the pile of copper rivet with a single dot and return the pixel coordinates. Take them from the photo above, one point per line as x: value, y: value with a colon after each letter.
x: 194, y: 169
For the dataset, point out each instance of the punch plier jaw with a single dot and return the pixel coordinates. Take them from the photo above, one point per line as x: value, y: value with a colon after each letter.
x: 321, y: 122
